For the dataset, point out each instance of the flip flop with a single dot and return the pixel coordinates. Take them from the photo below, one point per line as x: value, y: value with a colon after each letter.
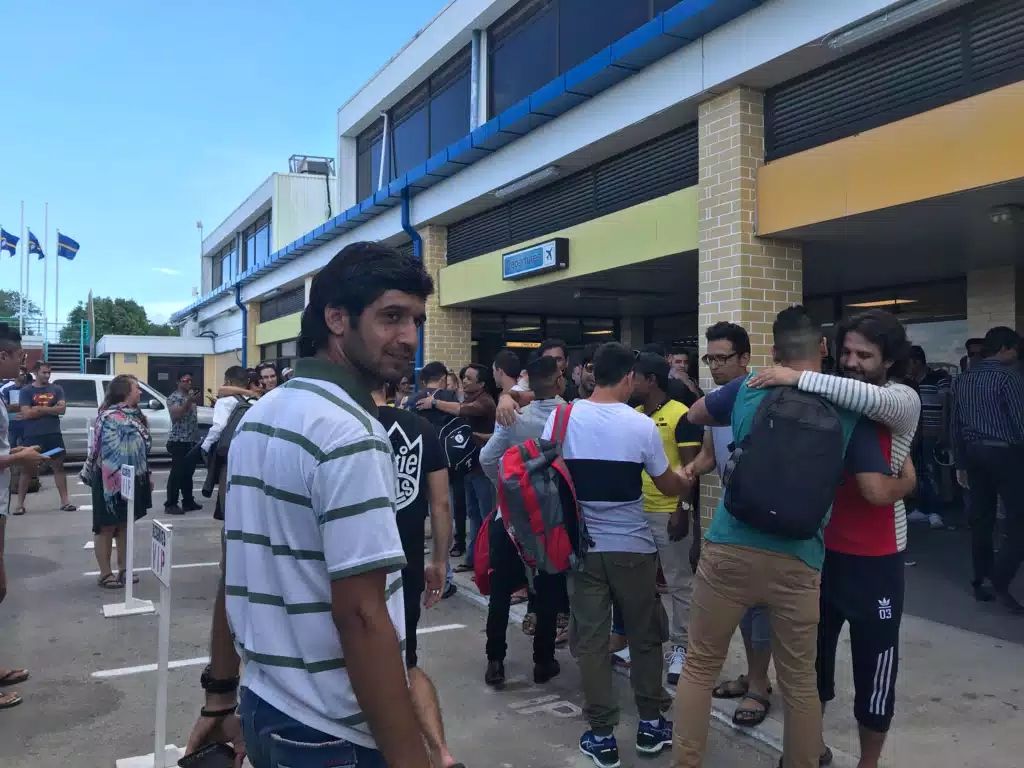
x: 14, y: 676
x: 121, y: 580
x: 69, y: 508
x: 109, y: 582
x: 8, y: 700
x: 751, y: 718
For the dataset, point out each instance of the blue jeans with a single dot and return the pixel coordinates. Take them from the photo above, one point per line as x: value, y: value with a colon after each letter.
x: 756, y: 628
x: 479, y: 504
x: 275, y: 740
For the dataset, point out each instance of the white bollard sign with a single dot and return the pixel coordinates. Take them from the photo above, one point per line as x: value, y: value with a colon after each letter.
x: 161, y: 562
x: 130, y: 606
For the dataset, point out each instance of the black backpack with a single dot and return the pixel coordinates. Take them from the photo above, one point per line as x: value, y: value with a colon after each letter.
x: 460, y: 449
x: 782, y: 477
x: 228, y: 434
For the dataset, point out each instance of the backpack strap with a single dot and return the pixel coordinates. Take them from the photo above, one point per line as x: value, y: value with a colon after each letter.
x: 561, y: 425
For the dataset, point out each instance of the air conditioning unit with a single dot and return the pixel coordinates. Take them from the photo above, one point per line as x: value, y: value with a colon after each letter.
x: 312, y: 165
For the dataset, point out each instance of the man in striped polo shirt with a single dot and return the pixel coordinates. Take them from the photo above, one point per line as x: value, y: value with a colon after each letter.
x: 313, y: 556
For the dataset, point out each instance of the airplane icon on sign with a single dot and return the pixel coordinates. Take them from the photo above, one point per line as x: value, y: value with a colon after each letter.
x: 549, y: 253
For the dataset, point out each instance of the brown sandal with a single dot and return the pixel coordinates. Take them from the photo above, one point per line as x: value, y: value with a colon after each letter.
x: 108, y: 582
x: 8, y: 700
x: 14, y: 676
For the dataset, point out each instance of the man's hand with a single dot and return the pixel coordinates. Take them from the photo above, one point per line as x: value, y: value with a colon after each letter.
x: 210, y: 730
x: 776, y: 376
x: 961, y: 478
x: 679, y: 524
x: 32, y: 412
x: 689, y: 473
x: 433, y: 578
x: 425, y: 403
x: 908, y: 472
x: 29, y: 456
x: 507, y: 411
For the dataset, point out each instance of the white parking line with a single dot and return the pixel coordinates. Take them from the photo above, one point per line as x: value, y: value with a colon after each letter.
x: 179, y: 565
x: 123, y: 671
x: 155, y: 492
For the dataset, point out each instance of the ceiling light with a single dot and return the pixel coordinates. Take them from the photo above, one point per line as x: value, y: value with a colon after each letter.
x: 882, y: 303
x: 524, y: 329
x: 538, y: 177
x: 1006, y: 214
x: 603, y: 332
x: 523, y: 344
x: 885, y: 22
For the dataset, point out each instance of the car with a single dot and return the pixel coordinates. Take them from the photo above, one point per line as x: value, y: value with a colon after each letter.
x: 84, y: 392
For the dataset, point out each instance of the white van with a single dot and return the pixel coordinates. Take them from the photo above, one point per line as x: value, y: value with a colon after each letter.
x: 84, y: 392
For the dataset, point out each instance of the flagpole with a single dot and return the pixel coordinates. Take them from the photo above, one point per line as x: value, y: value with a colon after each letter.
x: 21, y: 275
x: 46, y: 247
x: 56, y: 287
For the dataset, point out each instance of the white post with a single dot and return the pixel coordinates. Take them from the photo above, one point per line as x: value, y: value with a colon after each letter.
x: 46, y: 247
x: 56, y: 289
x: 130, y: 606
x: 161, y: 565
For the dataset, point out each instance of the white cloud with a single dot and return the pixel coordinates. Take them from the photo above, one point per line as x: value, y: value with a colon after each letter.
x: 160, y: 311
x: 166, y: 270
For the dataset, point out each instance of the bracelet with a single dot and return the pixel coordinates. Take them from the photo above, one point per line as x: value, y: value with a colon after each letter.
x: 212, y: 685
x: 204, y: 712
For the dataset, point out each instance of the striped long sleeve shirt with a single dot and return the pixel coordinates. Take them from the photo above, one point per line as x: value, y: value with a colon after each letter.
x: 988, y: 405
x: 897, y: 406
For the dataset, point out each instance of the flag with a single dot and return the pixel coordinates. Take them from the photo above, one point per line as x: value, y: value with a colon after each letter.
x: 8, y: 242
x: 66, y: 247
x: 34, y: 246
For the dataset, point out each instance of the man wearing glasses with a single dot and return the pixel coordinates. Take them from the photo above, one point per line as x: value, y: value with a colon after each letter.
x: 728, y: 356
x: 181, y: 439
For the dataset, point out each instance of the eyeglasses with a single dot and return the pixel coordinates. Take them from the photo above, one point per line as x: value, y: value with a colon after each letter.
x: 712, y: 361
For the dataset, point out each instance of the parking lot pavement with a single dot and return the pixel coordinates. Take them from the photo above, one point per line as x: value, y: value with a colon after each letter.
x: 90, y: 699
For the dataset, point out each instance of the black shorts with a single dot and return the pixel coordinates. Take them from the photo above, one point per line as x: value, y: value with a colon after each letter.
x: 410, y: 529
x: 867, y: 592
x: 46, y: 442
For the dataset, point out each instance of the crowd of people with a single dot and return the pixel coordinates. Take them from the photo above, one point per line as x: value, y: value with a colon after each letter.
x: 326, y: 476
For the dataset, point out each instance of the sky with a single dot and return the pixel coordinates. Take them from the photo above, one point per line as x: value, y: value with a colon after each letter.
x: 134, y: 119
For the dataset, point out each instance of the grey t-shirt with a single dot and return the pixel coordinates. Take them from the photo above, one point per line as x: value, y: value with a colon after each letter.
x: 41, y: 396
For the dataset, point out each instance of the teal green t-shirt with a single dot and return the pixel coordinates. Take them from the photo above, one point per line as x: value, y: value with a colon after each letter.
x: 742, y: 402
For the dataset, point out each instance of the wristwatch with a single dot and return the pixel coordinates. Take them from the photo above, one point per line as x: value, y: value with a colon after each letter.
x: 212, y: 685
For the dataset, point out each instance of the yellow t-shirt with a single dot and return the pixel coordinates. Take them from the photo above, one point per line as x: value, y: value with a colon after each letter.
x: 675, y: 433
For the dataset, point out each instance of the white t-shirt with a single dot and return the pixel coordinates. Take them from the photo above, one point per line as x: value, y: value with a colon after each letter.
x: 607, y: 447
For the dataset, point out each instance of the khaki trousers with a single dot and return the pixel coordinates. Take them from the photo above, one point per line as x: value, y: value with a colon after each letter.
x: 731, y: 579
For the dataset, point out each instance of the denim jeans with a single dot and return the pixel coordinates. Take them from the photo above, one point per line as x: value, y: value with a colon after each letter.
x: 275, y: 740
x: 480, y: 495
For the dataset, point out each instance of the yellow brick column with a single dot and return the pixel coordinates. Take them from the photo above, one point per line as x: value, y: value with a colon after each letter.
x: 994, y: 297
x: 447, y: 334
x: 743, y: 279
x: 252, y: 349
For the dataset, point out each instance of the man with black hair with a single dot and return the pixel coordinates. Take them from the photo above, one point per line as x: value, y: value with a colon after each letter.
x: 743, y: 566
x: 312, y: 522
x: 680, y: 387
x: 237, y: 378
x: 181, y: 440
x: 509, y: 571
x: 507, y: 369
x: 510, y: 403
x: 587, y: 383
x: 862, y: 579
x: 728, y: 358
x: 974, y: 354
x: 607, y: 448
x: 988, y: 441
x: 40, y: 408
x: 933, y: 387
x: 27, y: 458
x: 668, y: 516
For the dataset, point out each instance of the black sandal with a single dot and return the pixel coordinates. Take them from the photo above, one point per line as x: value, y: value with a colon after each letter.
x: 751, y: 718
x: 109, y: 581
x: 121, y: 580
x: 724, y: 690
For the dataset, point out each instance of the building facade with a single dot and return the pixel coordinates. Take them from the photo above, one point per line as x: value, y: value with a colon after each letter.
x: 639, y: 169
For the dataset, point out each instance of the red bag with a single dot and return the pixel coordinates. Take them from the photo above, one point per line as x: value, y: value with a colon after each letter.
x: 538, y: 503
x: 482, y: 557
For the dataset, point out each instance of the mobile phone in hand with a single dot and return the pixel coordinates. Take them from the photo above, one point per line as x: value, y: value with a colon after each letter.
x: 53, y: 452
x: 211, y: 756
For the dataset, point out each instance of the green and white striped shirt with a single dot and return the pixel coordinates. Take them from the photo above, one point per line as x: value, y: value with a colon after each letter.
x: 310, y: 499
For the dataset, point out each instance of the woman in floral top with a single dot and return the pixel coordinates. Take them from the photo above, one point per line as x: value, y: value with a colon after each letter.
x: 120, y: 436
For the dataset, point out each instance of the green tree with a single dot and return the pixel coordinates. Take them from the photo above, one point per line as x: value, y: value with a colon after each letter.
x: 121, y: 317
x: 10, y: 307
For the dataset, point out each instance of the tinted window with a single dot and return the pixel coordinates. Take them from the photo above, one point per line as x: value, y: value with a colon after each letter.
x: 587, y: 26
x: 410, y: 140
x: 524, y: 55
x: 79, y: 393
x: 368, y: 150
x: 262, y: 245
x: 449, y: 113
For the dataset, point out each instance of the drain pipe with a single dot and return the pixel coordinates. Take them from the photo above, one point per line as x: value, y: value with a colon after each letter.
x: 245, y: 325
x: 417, y: 252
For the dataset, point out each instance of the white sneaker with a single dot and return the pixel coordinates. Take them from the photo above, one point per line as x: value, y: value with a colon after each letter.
x: 676, y: 658
x: 917, y: 516
x: 935, y: 520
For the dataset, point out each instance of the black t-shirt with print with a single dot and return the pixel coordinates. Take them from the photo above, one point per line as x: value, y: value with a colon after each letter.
x: 417, y: 454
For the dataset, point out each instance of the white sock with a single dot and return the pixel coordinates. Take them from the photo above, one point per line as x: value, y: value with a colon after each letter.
x: 652, y: 723
x: 603, y: 738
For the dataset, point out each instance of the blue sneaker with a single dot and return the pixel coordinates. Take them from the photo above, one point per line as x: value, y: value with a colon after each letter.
x: 652, y: 740
x: 604, y: 752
